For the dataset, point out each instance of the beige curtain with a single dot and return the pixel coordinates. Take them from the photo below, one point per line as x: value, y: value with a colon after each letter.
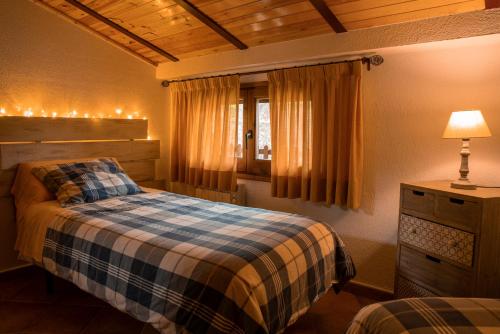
x: 202, y: 130
x: 317, y: 133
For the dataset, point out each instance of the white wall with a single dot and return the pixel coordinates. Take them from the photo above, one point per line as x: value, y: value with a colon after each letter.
x: 46, y: 62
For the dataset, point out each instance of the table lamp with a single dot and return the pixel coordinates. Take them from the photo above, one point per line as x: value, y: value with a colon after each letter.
x: 465, y: 125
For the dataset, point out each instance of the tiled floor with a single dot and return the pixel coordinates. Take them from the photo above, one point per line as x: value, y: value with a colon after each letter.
x: 25, y: 307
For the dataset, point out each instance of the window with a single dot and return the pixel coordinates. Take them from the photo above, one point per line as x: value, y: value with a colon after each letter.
x: 263, y: 130
x: 254, y: 132
x: 239, y: 148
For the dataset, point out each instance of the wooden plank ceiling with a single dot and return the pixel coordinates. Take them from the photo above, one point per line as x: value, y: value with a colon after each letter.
x: 183, y: 29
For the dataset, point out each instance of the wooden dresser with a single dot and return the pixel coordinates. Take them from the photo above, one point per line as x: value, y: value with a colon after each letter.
x: 448, y: 241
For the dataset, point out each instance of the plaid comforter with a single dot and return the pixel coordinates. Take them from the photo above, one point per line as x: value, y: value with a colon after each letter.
x: 429, y: 315
x: 189, y: 265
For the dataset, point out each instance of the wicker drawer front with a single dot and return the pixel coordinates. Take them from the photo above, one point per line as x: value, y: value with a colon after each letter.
x: 447, y: 242
x: 408, y: 289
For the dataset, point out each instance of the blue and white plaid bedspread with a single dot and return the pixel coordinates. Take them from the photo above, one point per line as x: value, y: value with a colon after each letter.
x: 188, y: 265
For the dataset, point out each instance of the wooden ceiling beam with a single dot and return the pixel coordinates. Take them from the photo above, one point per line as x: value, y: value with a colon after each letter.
x: 121, y: 29
x: 328, y: 15
x: 208, y: 21
x: 490, y: 4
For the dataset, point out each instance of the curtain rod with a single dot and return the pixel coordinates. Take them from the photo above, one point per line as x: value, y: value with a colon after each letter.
x: 375, y: 60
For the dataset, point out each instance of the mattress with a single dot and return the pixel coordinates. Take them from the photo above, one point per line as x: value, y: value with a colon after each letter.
x: 33, y: 221
x: 184, y: 264
x: 429, y: 315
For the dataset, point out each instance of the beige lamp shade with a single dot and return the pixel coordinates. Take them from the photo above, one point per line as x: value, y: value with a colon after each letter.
x: 466, y: 124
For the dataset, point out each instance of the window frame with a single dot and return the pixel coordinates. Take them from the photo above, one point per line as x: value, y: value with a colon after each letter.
x: 249, y: 167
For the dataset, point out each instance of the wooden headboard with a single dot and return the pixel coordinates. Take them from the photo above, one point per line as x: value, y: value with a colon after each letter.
x: 43, y: 138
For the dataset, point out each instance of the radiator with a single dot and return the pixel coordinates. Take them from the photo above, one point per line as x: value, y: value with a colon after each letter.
x: 237, y: 197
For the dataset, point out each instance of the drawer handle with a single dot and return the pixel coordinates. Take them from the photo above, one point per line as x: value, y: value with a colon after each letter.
x: 418, y: 193
x: 457, y: 201
x: 433, y: 259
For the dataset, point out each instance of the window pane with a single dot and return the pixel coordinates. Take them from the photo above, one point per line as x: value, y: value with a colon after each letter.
x: 263, y: 128
x: 239, y: 144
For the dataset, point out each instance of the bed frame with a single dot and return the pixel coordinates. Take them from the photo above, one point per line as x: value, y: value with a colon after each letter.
x: 43, y: 138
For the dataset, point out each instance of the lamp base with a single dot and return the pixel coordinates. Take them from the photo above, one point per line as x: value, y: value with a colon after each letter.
x: 463, y: 184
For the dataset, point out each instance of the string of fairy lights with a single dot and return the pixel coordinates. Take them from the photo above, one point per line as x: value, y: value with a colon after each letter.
x: 29, y: 112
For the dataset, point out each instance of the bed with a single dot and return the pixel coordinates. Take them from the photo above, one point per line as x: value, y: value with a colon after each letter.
x: 180, y: 263
x: 429, y: 315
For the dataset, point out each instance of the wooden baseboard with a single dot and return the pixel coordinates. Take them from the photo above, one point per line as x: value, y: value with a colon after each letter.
x: 19, y: 267
x: 368, y: 291
x: 25, y: 269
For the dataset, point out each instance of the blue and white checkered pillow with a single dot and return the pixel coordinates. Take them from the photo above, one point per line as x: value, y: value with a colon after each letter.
x: 86, y: 182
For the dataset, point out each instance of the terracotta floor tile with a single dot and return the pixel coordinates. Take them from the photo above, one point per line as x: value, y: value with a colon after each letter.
x: 11, y: 284
x: 331, y: 314
x: 18, y: 317
x: 363, y: 301
x: 69, y: 294
x: 111, y: 321
x: 35, y: 291
x: 63, y: 319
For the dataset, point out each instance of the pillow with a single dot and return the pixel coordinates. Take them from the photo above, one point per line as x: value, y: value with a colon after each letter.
x: 27, y: 189
x: 86, y: 182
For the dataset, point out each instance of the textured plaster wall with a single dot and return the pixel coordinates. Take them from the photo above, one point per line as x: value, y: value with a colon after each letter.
x: 48, y: 63
x: 407, y: 104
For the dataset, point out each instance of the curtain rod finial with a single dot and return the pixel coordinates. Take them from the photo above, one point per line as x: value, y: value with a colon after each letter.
x: 376, y: 60
x: 372, y: 60
x: 165, y: 83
